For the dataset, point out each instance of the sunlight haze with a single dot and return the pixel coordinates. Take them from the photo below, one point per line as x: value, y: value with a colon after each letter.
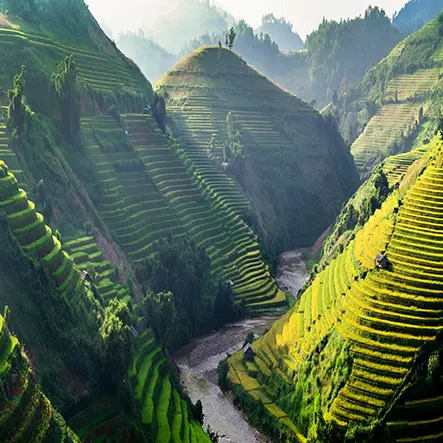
x: 305, y: 16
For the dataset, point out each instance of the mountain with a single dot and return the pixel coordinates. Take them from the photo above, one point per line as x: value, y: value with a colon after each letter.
x: 357, y: 358
x: 394, y: 103
x: 152, y: 59
x: 246, y: 137
x: 280, y: 32
x: 415, y: 14
x: 76, y: 211
x: 335, y: 56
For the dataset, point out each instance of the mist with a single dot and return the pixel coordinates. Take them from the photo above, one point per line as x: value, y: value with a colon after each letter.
x: 156, y: 17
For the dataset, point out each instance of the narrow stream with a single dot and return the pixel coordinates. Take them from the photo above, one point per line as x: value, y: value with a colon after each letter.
x: 198, y: 360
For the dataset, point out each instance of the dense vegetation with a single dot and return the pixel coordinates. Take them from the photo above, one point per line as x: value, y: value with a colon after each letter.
x: 339, y: 53
x: 397, y: 100
x: 336, y: 55
x: 415, y: 14
x: 183, y: 299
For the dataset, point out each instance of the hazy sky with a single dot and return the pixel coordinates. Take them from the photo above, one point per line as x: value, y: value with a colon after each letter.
x: 304, y: 14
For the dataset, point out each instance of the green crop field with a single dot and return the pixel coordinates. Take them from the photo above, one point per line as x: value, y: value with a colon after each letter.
x: 26, y: 414
x: 38, y: 243
x: 91, y: 64
x: 162, y: 410
x: 385, y: 127
x: 87, y: 256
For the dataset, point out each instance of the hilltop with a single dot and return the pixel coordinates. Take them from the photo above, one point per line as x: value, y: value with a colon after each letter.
x: 394, y: 103
x: 335, y: 56
x: 357, y: 358
x: 416, y: 14
x: 233, y: 123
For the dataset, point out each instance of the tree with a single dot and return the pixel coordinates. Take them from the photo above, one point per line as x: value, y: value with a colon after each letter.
x: 162, y: 313
x: 17, y: 106
x: 198, y: 412
x: 159, y: 109
x: 22, y: 8
x: 231, y: 37
x: 115, y: 337
x: 68, y: 96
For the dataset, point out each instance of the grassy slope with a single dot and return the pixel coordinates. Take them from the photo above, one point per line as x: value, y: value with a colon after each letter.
x: 105, y: 77
x: 26, y: 414
x: 285, y: 143
x: 385, y: 317
x: 401, y: 85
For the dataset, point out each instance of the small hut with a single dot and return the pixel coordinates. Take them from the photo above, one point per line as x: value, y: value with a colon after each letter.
x: 86, y: 276
x: 133, y: 331
x: 381, y: 262
x: 396, y: 185
x: 248, y: 352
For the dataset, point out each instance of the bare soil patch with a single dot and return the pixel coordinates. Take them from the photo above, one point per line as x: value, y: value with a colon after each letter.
x: 6, y: 23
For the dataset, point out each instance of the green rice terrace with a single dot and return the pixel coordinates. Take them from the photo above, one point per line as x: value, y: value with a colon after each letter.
x: 143, y: 179
x: 26, y: 413
x: 161, y: 406
x: 239, y: 143
x: 405, y: 98
x: 34, y: 236
x: 104, y: 73
x: 135, y: 221
x: 372, y: 324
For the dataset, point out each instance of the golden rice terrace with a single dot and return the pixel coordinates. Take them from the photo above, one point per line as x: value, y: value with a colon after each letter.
x: 372, y: 322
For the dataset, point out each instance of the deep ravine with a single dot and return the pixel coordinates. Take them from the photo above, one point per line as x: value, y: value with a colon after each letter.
x: 198, y: 360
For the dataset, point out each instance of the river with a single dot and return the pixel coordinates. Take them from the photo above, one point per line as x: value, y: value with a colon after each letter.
x: 198, y: 360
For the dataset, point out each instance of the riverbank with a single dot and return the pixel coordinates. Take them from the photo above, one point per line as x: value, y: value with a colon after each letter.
x: 199, y: 359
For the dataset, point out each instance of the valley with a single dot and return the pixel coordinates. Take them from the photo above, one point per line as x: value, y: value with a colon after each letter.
x: 199, y: 359
x: 145, y: 292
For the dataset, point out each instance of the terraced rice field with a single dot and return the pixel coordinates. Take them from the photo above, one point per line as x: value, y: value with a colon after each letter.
x: 101, y: 73
x: 9, y: 157
x: 385, y: 127
x: 35, y: 238
x: 396, y: 166
x: 130, y: 203
x: 87, y: 256
x: 163, y: 411
x: 408, y: 85
x: 385, y: 315
x: 417, y: 418
x: 26, y: 415
x: 211, y: 220
x: 198, y: 123
x: 391, y: 314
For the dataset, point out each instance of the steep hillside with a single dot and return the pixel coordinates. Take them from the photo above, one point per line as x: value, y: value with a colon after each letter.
x: 106, y: 76
x: 358, y: 355
x: 416, y: 14
x: 65, y: 242
x: 246, y: 139
x: 26, y: 413
x: 387, y: 111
